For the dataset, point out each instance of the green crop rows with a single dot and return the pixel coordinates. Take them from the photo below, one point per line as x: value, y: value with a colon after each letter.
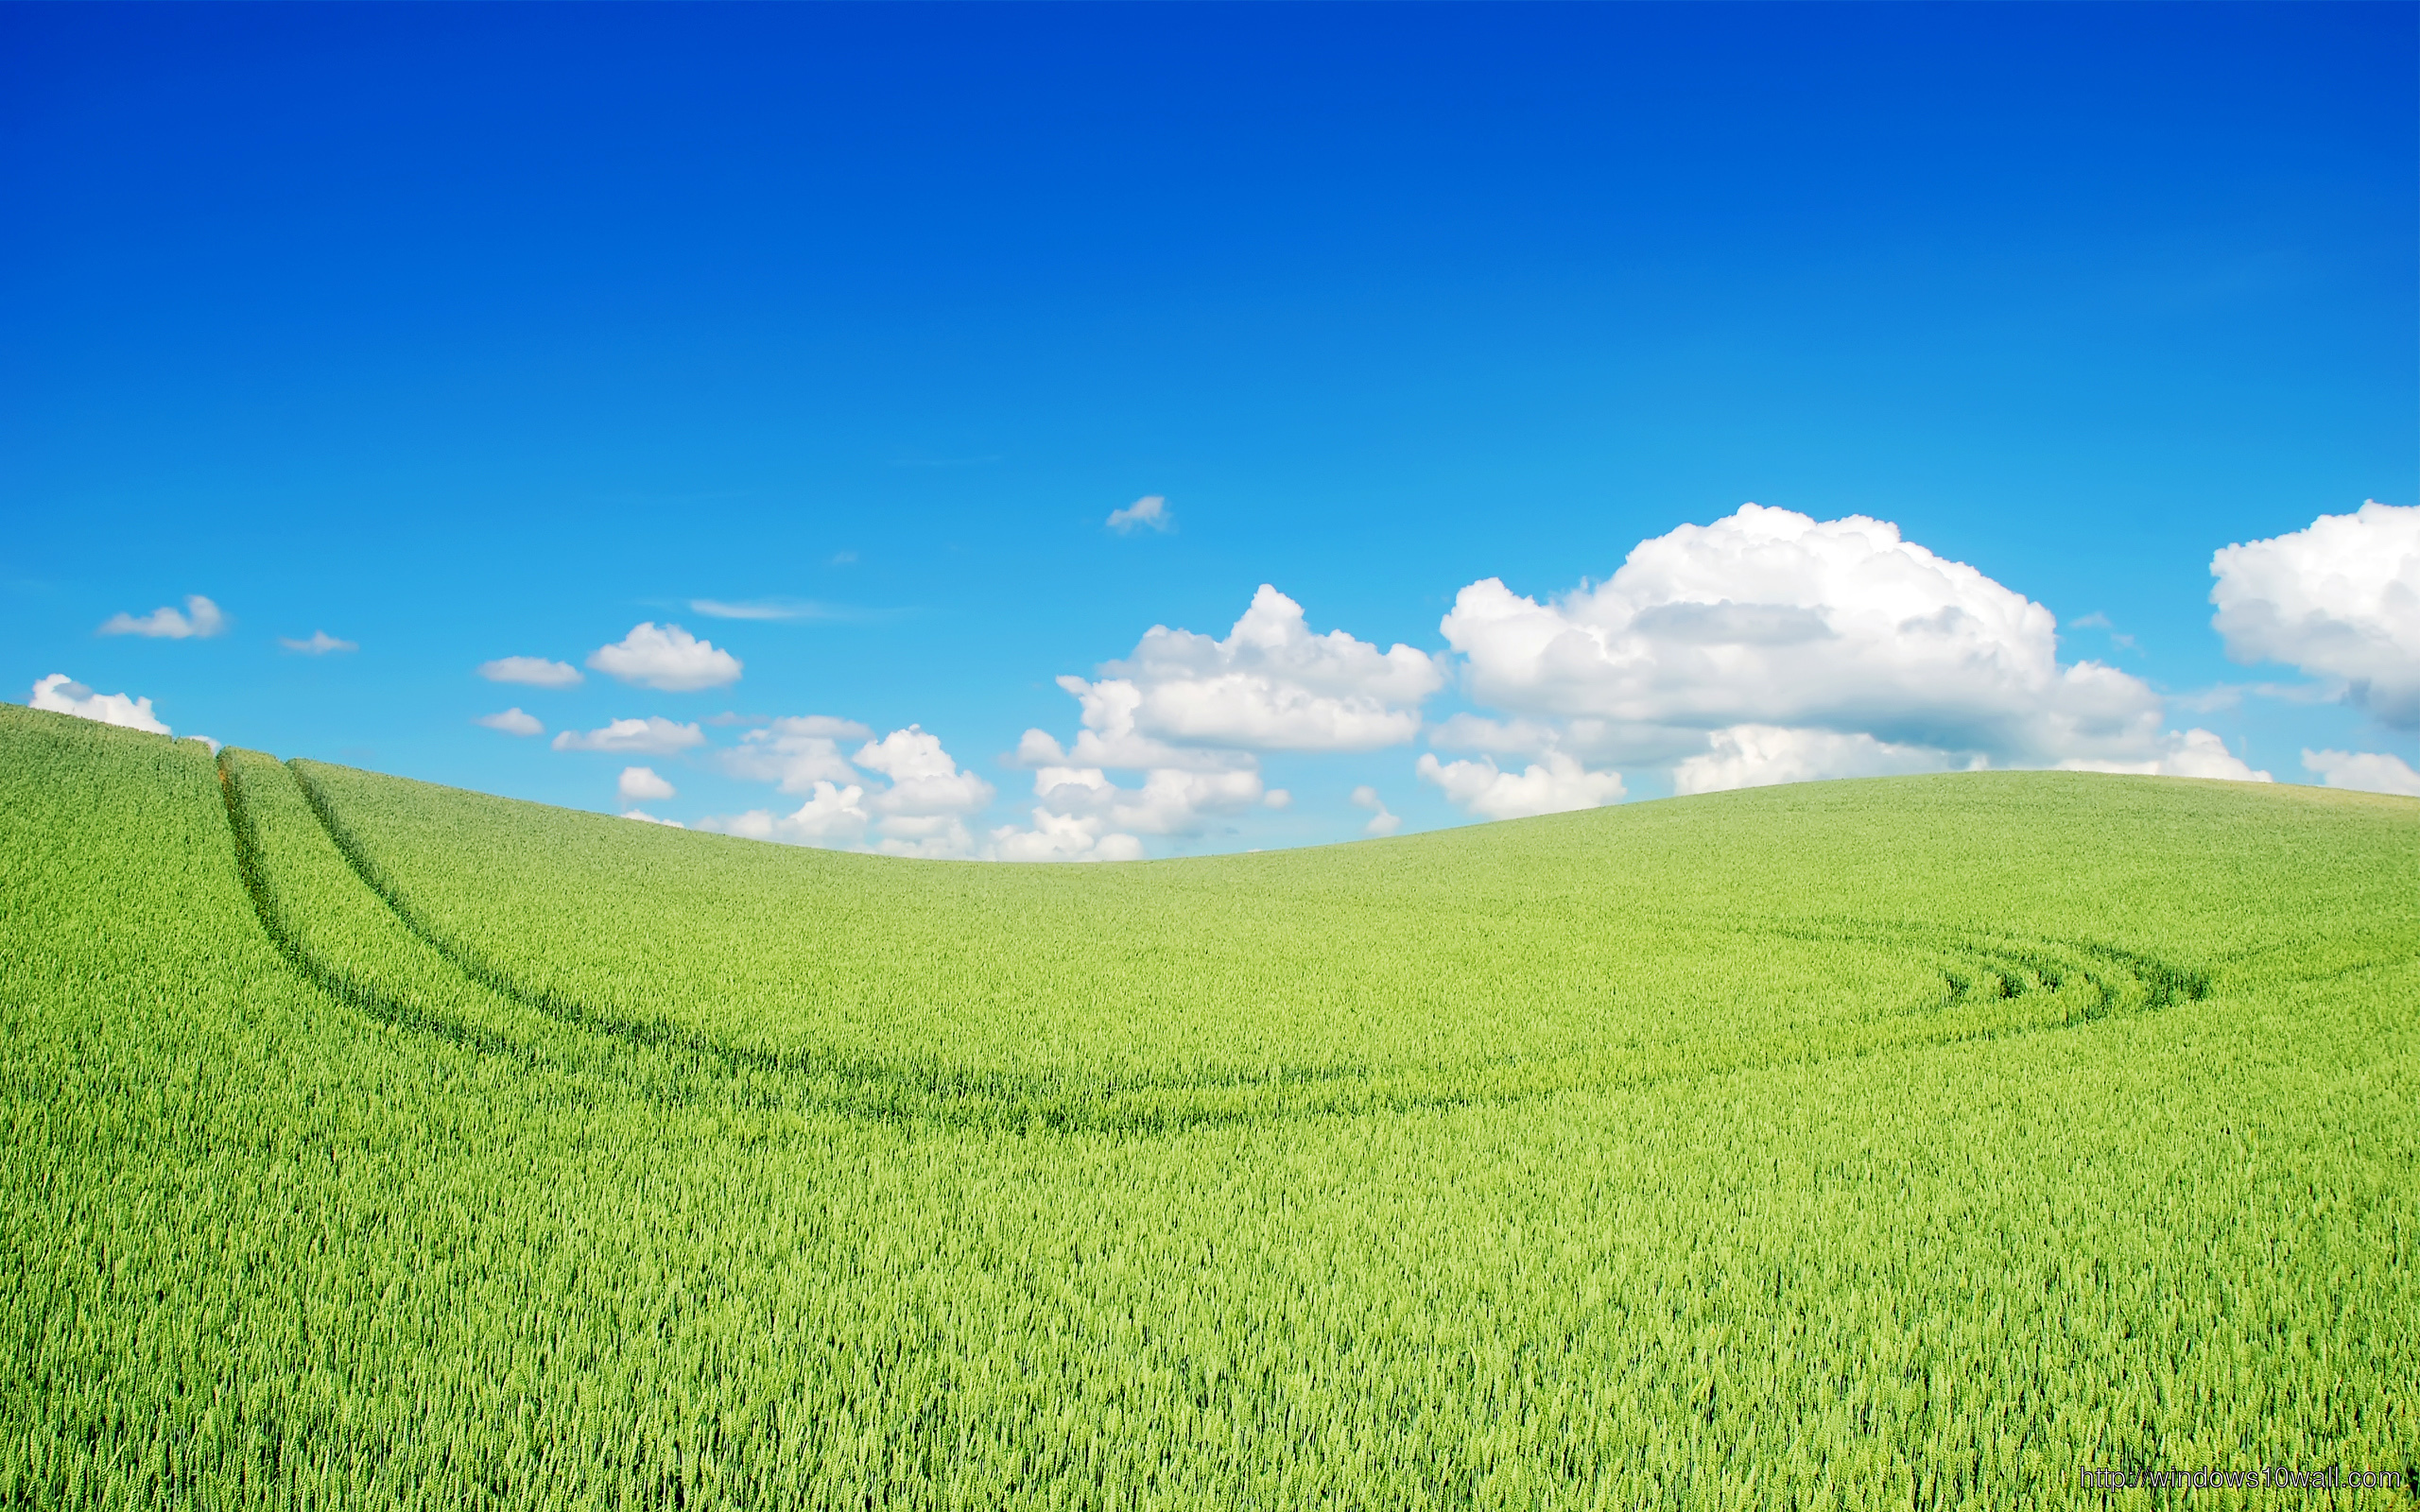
x: 1919, y: 1142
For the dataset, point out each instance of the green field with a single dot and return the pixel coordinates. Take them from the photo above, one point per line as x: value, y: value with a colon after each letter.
x: 1916, y: 1142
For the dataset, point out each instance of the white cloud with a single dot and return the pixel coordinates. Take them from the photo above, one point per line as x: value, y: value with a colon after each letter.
x: 320, y: 644
x: 640, y: 784
x: 771, y: 608
x: 512, y: 722
x: 1276, y: 797
x: 1150, y: 512
x: 668, y: 658
x: 1080, y: 815
x: 922, y: 812
x: 924, y: 809
x: 1555, y: 784
x: 795, y: 753
x: 1381, y: 822
x: 1064, y: 837
x: 2363, y: 771
x: 2340, y: 599
x: 653, y: 736
x: 833, y: 818
x: 2192, y: 754
x: 1768, y: 619
x: 62, y: 695
x: 201, y: 618
x: 649, y: 819
x: 536, y: 671
x: 1186, y: 700
x: 1764, y: 755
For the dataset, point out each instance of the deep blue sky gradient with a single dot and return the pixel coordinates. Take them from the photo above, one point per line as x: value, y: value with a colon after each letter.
x: 466, y: 332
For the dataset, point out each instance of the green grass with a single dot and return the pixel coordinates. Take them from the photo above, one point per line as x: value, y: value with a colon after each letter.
x: 1919, y: 1142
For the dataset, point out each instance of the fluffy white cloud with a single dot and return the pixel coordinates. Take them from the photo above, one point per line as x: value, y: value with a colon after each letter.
x: 653, y: 736
x: 833, y: 818
x: 1150, y: 512
x: 512, y: 722
x: 667, y: 657
x: 1065, y: 837
x: 920, y: 812
x: 1764, y: 755
x: 62, y: 695
x: 2338, y: 599
x: 320, y: 644
x: 1080, y: 815
x: 1381, y: 822
x: 2192, y: 754
x: 795, y: 753
x: 649, y: 818
x: 1768, y: 620
x: 1555, y: 784
x: 640, y: 784
x: 536, y: 671
x: 924, y: 809
x: 201, y: 618
x: 2363, y: 771
x: 1186, y: 701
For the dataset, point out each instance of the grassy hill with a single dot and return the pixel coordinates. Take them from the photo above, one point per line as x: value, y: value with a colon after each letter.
x: 1911, y: 1141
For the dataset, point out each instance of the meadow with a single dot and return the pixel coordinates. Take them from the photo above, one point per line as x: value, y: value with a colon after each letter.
x: 1917, y: 1141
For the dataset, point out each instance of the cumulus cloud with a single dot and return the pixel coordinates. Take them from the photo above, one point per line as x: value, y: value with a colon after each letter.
x: 62, y: 695
x: 1555, y: 784
x: 645, y: 818
x: 536, y: 671
x: 2340, y: 599
x: 1080, y: 815
x: 1381, y: 822
x: 653, y: 736
x: 921, y: 809
x: 1064, y: 837
x: 1711, y: 638
x: 1150, y: 512
x: 201, y: 618
x: 833, y: 818
x: 2191, y: 753
x: 795, y: 753
x: 640, y: 784
x: 1187, y: 700
x: 2363, y: 771
x: 667, y: 657
x: 1764, y: 755
x: 319, y: 643
x: 512, y: 722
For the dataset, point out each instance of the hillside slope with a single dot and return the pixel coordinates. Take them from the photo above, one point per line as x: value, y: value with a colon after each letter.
x: 1926, y: 1140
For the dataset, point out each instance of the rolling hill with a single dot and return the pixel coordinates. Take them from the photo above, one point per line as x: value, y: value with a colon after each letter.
x: 1920, y: 1140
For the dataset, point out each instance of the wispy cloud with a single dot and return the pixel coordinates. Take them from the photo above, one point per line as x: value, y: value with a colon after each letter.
x: 319, y: 643
x: 1381, y: 821
x: 202, y: 619
x: 534, y: 671
x: 772, y: 608
x: 1150, y: 512
x: 512, y: 722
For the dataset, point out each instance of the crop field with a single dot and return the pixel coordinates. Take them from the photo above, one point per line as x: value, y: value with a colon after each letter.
x: 1918, y: 1142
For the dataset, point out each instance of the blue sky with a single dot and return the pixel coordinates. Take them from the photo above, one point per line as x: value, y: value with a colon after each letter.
x: 460, y: 333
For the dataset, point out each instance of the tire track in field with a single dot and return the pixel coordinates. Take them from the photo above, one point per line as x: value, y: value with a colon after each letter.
x: 1977, y: 971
